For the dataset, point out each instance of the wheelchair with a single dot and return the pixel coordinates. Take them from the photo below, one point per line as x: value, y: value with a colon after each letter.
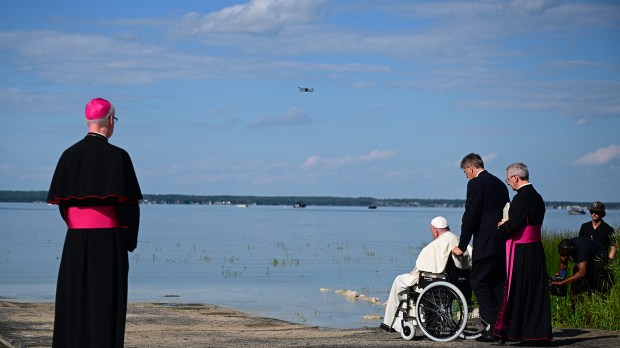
x: 441, y: 305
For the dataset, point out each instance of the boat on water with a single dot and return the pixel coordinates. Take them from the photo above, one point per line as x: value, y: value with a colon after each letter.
x: 576, y: 210
x: 241, y: 205
x: 372, y: 206
x: 299, y: 205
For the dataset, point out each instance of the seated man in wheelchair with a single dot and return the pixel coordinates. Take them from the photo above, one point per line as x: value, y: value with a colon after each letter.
x: 433, y: 258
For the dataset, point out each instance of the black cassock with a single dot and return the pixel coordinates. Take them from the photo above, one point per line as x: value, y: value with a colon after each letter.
x: 525, y: 311
x: 96, y: 189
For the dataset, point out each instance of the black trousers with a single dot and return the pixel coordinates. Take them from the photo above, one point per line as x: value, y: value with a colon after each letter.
x: 487, y: 281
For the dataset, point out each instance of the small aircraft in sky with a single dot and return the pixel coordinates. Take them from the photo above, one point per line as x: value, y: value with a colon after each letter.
x: 306, y: 89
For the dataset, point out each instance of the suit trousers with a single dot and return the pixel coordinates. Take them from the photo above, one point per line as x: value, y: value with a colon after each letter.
x: 487, y: 282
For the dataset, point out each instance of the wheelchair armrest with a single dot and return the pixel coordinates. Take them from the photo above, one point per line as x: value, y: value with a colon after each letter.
x: 427, y: 278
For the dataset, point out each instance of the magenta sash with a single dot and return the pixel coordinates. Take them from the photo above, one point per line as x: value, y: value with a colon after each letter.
x: 528, y: 234
x: 92, y: 217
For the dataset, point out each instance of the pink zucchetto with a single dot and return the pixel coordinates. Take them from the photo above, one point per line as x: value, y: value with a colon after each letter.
x: 98, y: 108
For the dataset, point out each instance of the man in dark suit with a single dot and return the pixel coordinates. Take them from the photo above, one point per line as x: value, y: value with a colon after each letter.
x: 486, y: 197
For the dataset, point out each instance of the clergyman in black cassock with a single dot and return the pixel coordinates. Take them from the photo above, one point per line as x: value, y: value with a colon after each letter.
x: 96, y: 189
x: 525, y: 311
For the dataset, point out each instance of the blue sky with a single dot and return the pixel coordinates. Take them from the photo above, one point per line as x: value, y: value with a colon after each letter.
x: 208, y: 101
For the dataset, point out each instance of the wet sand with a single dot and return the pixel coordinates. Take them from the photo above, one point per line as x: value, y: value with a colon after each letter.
x: 157, y: 325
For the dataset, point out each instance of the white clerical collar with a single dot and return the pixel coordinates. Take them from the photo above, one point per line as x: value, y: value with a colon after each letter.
x: 518, y: 188
x: 103, y: 135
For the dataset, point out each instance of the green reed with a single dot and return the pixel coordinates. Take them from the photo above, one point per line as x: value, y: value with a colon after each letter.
x: 596, y: 311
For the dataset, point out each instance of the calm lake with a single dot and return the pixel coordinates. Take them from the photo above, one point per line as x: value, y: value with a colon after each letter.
x: 272, y: 261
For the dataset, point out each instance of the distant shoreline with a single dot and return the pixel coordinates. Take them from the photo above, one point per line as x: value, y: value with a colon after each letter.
x: 7, y: 196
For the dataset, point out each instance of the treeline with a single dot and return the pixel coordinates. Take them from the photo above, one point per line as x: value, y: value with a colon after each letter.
x: 307, y: 200
x: 41, y: 196
x: 23, y: 196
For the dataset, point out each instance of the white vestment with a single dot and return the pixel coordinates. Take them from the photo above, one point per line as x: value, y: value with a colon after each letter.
x: 433, y: 258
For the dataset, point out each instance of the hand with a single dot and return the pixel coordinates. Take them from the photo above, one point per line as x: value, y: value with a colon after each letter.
x: 557, y: 279
x: 457, y: 252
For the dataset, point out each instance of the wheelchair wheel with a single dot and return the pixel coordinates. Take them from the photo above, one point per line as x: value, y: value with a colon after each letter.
x: 408, y: 330
x: 441, y: 311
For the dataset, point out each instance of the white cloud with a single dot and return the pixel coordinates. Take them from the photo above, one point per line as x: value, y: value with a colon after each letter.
x: 533, y: 6
x: 73, y: 58
x: 311, y: 162
x: 27, y: 100
x: 337, y: 162
x: 68, y: 58
x: 489, y: 158
x: 582, y: 122
x: 600, y: 156
x: 362, y: 84
x: 378, y: 155
x: 293, y: 117
x: 571, y: 64
x: 461, y: 50
x: 255, y: 17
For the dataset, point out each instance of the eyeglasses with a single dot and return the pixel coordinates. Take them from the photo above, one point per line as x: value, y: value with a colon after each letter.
x: 115, y: 118
x: 592, y: 212
x: 508, y: 179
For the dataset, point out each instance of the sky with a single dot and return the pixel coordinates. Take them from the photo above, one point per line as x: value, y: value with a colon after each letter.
x: 208, y: 100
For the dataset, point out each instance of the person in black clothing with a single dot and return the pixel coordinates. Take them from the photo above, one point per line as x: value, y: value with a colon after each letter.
x: 599, y: 230
x: 591, y: 272
x: 486, y: 197
x: 525, y: 311
x: 97, y: 192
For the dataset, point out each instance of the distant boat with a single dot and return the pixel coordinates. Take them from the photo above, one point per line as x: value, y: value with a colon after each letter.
x: 299, y: 205
x: 576, y: 210
x: 372, y: 206
x: 241, y: 205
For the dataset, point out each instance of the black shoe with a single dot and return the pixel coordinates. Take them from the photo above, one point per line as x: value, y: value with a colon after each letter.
x: 384, y: 326
x: 486, y: 336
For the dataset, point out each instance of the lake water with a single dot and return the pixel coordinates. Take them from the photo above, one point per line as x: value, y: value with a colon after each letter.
x: 272, y: 261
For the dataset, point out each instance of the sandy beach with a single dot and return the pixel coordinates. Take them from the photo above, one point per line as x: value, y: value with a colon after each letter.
x: 156, y: 325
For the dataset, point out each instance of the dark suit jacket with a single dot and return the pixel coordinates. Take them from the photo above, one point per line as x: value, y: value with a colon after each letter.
x: 527, y: 209
x: 486, y: 197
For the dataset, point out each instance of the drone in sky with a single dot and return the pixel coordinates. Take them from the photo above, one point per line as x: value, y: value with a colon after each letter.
x: 306, y: 89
